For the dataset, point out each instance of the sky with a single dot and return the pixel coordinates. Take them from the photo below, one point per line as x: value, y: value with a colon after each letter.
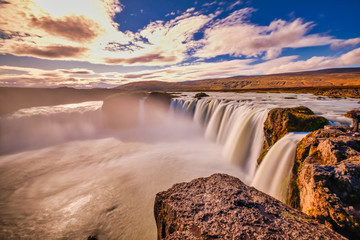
x: 107, y: 43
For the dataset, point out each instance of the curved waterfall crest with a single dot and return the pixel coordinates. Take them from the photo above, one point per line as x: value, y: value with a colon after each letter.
x: 238, y: 127
x: 273, y: 174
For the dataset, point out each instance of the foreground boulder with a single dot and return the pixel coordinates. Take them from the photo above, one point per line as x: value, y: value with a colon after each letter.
x: 281, y: 121
x: 222, y: 207
x: 326, y: 179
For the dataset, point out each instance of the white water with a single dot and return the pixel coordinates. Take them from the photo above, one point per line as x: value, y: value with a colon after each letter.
x: 273, y: 174
x: 65, y: 176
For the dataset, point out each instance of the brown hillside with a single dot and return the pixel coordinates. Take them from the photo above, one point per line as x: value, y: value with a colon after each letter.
x: 342, y: 77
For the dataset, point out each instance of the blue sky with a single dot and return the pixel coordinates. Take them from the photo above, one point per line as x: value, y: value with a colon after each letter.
x: 105, y: 43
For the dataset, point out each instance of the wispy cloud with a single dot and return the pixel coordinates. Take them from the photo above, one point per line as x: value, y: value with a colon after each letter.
x: 250, y: 40
x: 337, y: 44
x: 209, y: 4
x: 234, y: 5
x: 17, y: 76
x: 66, y: 30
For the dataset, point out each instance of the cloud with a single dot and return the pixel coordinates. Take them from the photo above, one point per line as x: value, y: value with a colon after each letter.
x: 209, y: 4
x: 317, y: 62
x: 77, y: 71
x: 66, y: 30
x: 73, y: 28
x: 337, y: 44
x: 50, y: 52
x: 250, y: 40
x: 144, y: 59
x: 234, y: 5
x: 32, y: 77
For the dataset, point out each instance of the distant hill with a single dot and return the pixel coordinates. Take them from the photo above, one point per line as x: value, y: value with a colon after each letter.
x: 337, y: 77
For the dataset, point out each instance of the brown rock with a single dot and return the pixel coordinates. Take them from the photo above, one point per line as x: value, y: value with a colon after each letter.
x: 201, y: 95
x: 222, y: 207
x: 281, y: 121
x: 326, y: 179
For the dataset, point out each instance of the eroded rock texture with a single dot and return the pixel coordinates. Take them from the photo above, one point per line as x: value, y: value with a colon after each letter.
x: 222, y: 207
x: 326, y: 179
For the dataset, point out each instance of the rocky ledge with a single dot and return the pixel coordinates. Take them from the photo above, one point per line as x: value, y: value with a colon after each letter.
x: 222, y: 207
x: 326, y: 179
x: 281, y: 121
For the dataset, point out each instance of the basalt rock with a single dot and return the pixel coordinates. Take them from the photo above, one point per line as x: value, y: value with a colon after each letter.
x: 326, y: 179
x: 222, y: 207
x: 201, y: 95
x: 281, y: 121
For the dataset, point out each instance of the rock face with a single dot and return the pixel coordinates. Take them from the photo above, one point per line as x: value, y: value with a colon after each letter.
x: 201, y: 95
x: 326, y: 179
x: 160, y: 98
x: 281, y: 121
x: 339, y: 92
x: 222, y: 207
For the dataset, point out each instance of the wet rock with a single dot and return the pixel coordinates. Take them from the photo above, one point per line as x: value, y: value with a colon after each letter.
x: 201, y: 95
x: 281, y: 121
x: 326, y: 179
x: 222, y: 207
x: 355, y: 116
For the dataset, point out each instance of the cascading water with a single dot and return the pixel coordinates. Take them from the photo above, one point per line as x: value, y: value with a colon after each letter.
x: 273, y: 173
x: 237, y: 126
x: 80, y: 180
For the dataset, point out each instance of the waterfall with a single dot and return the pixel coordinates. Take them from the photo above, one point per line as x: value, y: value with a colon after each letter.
x: 245, y: 138
x: 182, y: 107
x: 236, y: 126
x: 204, y: 110
x: 142, y: 111
x: 273, y: 173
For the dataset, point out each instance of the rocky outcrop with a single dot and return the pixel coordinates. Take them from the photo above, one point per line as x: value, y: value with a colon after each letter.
x: 222, y: 207
x: 339, y: 92
x: 281, y: 121
x: 163, y: 98
x: 201, y: 95
x: 326, y: 179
